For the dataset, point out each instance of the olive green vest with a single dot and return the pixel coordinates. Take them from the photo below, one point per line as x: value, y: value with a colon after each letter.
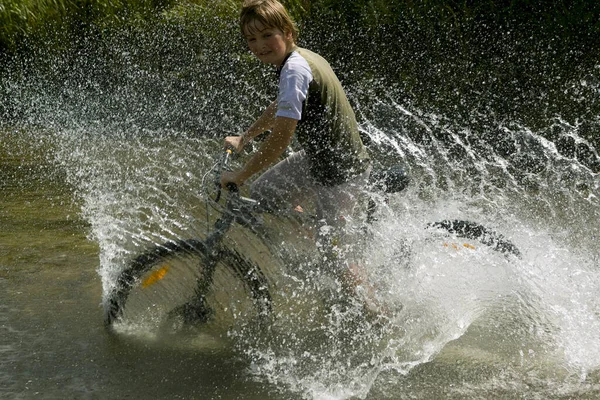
x: 328, y: 130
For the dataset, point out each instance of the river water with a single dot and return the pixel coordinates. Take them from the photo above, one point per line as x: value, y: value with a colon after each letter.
x: 91, y: 174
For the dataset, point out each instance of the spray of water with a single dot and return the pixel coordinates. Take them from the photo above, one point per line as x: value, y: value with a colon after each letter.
x: 136, y: 152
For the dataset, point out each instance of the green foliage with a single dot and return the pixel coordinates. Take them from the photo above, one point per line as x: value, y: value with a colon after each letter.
x: 20, y: 19
x: 33, y: 19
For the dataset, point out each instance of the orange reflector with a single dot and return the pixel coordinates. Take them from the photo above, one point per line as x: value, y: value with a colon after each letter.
x: 456, y: 247
x: 155, y: 277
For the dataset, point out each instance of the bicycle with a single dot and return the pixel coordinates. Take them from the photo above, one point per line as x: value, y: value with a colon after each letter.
x: 175, y: 281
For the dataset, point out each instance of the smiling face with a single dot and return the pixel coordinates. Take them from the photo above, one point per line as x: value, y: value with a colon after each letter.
x: 269, y: 44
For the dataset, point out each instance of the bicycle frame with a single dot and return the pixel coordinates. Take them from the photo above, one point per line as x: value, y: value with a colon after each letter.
x: 237, y: 208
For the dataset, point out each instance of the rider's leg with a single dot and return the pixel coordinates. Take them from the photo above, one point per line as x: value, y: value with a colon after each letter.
x: 284, y: 186
x: 341, y: 210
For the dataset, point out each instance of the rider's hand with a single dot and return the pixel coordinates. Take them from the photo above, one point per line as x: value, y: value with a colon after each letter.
x: 237, y: 142
x: 231, y: 177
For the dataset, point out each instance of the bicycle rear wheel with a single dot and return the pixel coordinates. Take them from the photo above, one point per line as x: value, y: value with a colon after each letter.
x: 475, y: 231
x: 181, y: 283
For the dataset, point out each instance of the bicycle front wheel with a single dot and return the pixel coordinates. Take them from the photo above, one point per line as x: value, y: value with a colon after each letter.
x: 182, y: 283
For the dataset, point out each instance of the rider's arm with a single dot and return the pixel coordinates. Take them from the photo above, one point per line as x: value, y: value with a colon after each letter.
x: 269, y: 152
x: 262, y: 124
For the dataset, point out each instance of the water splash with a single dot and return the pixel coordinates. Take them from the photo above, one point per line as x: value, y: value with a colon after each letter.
x: 136, y: 149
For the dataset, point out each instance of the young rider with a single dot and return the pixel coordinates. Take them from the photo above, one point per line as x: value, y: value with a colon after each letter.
x: 333, y: 166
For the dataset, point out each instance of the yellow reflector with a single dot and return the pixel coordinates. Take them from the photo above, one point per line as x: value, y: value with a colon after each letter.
x: 155, y: 277
x: 456, y: 247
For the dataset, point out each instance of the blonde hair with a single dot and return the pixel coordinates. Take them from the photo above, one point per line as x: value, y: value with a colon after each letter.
x: 270, y: 13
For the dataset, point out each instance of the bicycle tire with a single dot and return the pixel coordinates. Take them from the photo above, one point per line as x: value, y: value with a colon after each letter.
x: 178, y: 277
x: 475, y: 231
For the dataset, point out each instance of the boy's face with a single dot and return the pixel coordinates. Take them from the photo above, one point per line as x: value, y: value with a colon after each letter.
x: 270, y: 45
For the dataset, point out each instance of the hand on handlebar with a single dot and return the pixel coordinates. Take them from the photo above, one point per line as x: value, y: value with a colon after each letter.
x: 235, y: 142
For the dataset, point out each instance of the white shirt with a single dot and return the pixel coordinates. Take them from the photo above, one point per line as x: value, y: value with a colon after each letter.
x: 294, y: 79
